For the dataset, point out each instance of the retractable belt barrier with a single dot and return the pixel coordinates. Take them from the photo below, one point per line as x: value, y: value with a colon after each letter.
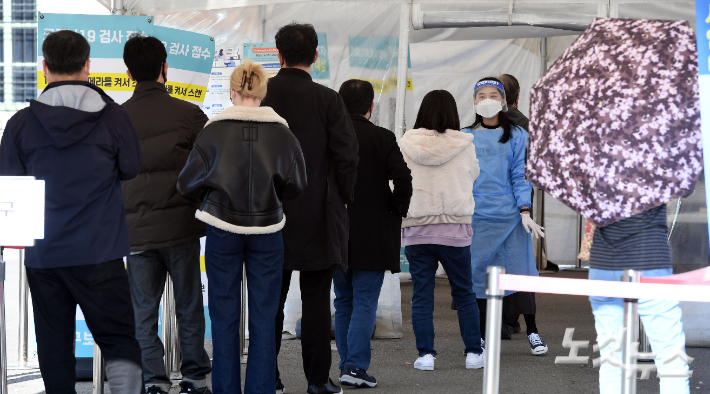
x: 689, y: 286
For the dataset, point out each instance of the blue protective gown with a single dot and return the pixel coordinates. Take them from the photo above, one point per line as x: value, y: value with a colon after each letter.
x: 499, y: 237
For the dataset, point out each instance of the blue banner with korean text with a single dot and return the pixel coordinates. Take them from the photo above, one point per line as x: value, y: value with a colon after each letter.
x: 190, y: 55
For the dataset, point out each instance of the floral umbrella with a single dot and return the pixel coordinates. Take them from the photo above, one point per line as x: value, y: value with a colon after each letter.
x: 615, y: 122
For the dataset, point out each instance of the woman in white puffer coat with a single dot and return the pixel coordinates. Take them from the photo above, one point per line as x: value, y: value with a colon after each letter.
x: 438, y: 225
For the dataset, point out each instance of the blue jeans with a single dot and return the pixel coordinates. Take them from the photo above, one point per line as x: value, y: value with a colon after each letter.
x: 664, y: 328
x: 263, y: 256
x: 423, y: 263
x: 356, y: 296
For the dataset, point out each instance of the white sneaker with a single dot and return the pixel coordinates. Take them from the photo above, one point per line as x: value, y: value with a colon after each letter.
x: 537, y: 345
x: 483, y: 344
x: 475, y: 361
x: 425, y: 363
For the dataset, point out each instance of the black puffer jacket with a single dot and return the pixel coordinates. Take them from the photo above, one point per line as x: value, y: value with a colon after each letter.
x: 158, y: 216
x: 244, y: 163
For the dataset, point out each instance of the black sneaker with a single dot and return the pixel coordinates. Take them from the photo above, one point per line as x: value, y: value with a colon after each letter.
x: 280, y: 389
x: 328, y: 388
x: 357, y: 377
x: 189, y: 388
x: 155, y: 390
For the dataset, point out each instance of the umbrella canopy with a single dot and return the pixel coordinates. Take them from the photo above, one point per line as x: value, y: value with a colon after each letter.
x: 615, y: 122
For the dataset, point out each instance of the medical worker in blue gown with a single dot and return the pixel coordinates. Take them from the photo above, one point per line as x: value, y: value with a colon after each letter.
x: 501, y: 222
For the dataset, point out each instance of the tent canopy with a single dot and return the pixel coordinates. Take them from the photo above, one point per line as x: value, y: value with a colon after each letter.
x: 572, y: 15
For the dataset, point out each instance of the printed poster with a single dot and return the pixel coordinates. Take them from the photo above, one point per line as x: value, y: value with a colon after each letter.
x: 190, y: 55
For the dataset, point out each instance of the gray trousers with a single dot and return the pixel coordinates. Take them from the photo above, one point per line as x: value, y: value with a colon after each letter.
x: 146, y: 275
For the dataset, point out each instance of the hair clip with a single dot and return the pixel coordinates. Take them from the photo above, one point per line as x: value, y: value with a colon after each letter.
x: 247, y: 80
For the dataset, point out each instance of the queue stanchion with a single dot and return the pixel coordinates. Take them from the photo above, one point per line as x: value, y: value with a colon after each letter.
x: 242, y: 320
x: 494, y: 319
x: 3, y: 330
x: 167, y: 306
x: 98, y: 371
x: 175, y: 354
x: 22, y: 348
x: 631, y: 326
x: 644, y: 343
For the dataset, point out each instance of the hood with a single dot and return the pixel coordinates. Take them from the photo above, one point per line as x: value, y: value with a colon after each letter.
x: 516, y: 116
x: 431, y: 148
x: 249, y: 114
x: 69, y: 111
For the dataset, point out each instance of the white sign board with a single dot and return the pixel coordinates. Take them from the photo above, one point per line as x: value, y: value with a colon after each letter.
x: 21, y: 210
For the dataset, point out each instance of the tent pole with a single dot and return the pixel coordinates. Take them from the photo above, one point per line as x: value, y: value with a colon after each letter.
x: 117, y: 7
x: 402, y: 62
x: 539, y: 194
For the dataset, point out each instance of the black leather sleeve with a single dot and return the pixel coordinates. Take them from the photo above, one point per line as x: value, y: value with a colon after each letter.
x: 191, y: 181
x: 297, y: 180
x: 400, y: 175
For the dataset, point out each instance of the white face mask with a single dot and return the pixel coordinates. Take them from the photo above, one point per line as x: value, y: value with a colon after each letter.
x: 488, y: 108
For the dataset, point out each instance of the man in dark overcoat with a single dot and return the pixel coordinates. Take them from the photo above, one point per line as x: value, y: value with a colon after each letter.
x: 316, y: 232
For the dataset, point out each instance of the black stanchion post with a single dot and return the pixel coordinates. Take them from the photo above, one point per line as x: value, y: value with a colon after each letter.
x: 494, y: 319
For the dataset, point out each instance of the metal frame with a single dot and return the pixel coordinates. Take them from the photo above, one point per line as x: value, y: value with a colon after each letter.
x: 22, y: 348
x: 3, y: 329
x: 98, y: 371
x: 494, y: 319
x: 631, y: 326
x: 494, y: 314
x: 402, y: 62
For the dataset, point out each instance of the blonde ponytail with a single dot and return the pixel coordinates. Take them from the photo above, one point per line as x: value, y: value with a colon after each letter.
x: 249, y: 80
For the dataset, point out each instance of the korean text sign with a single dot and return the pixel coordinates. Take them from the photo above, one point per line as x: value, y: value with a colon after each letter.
x: 189, y: 54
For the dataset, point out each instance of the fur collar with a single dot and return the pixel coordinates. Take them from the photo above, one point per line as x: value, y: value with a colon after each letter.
x: 431, y: 148
x: 249, y: 114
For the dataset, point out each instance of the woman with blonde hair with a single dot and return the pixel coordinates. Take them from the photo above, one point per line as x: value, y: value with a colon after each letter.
x: 243, y: 165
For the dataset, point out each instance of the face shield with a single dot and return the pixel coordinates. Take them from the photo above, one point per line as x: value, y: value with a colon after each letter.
x: 489, y: 98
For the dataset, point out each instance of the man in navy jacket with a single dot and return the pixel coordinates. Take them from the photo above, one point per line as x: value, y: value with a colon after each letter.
x: 82, y: 144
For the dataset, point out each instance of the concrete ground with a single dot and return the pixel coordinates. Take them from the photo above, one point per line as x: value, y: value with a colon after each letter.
x: 392, y: 359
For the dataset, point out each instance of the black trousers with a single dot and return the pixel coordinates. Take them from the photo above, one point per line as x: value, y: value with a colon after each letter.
x: 315, y: 323
x: 101, y: 290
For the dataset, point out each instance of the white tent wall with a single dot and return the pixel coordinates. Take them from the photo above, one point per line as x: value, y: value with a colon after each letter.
x: 376, y: 24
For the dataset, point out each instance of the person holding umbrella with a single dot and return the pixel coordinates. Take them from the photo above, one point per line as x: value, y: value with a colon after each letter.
x: 502, y: 223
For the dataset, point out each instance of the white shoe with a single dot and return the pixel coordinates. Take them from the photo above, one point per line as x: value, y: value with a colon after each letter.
x: 425, y: 363
x: 475, y: 361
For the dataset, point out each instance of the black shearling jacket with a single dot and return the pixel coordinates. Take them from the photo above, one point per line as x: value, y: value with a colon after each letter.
x: 243, y: 165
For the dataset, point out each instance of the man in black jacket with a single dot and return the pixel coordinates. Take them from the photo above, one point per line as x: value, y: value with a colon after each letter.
x: 316, y: 236
x: 512, y: 92
x: 375, y: 241
x: 163, y: 231
x: 82, y: 144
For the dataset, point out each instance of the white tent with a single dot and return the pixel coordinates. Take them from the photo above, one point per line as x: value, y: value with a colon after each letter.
x: 451, y: 44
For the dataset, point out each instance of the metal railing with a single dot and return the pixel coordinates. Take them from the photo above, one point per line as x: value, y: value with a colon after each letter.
x: 3, y: 330
x: 169, y: 330
x: 494, y: 314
